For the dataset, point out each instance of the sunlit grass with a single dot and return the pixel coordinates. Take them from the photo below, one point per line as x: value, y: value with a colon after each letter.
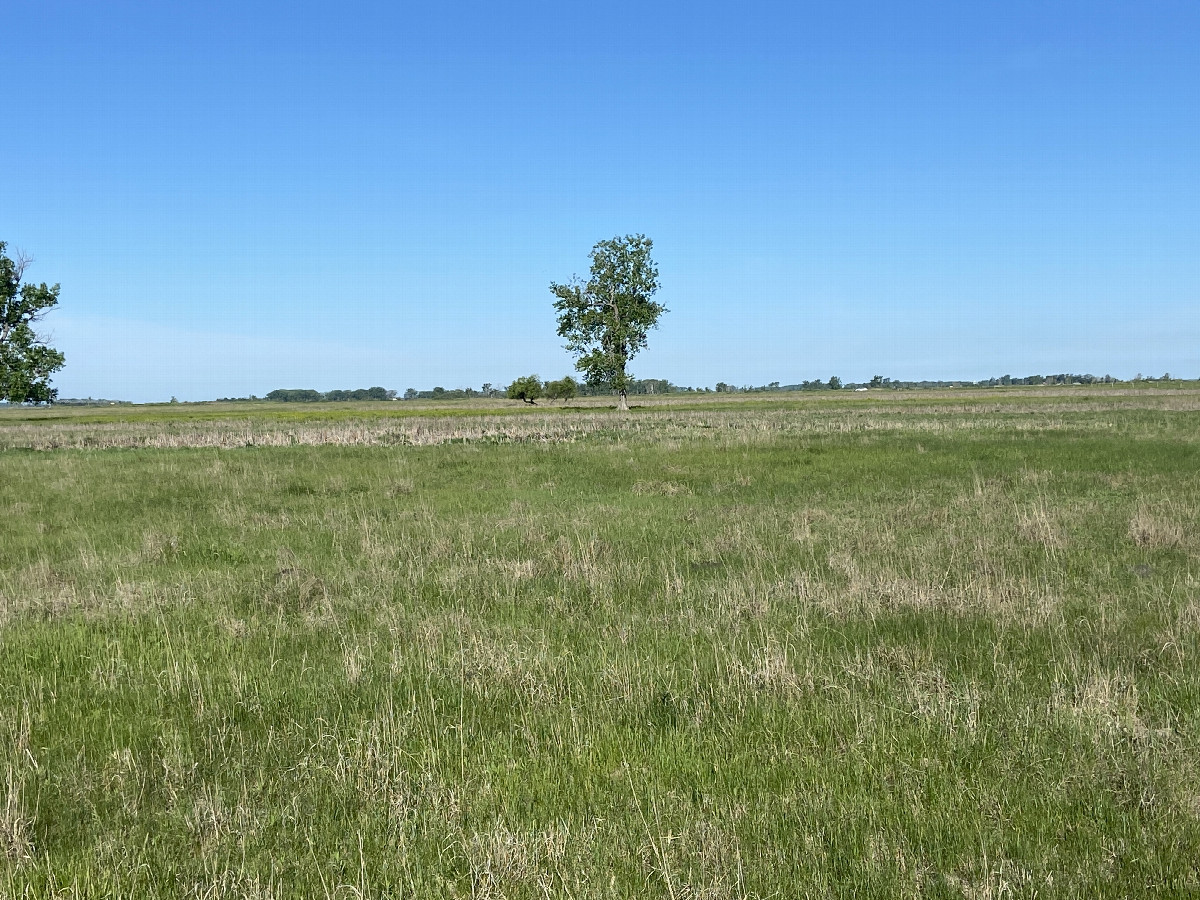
x: 820, y: 650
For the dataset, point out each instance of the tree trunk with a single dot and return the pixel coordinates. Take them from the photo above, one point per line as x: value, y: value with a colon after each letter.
x: 622, y: 403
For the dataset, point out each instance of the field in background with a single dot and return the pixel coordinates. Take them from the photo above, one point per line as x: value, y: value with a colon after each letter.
x: 930, y: 644
x: 423, y: 423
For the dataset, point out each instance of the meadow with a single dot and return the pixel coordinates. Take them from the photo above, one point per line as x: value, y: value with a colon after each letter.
x: 929, y: 644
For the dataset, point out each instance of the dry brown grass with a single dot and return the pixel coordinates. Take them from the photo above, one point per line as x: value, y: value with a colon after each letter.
x: 16, y: 827
x: 17, y: 753
x: 659, y: 488
x: 1151, y: 529
x: 1037, y: 524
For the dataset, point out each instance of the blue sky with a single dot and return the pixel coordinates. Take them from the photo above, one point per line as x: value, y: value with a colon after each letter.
x: 242, y: 196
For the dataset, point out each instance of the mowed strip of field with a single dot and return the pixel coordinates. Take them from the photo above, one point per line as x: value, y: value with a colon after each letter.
x: 825, y: 650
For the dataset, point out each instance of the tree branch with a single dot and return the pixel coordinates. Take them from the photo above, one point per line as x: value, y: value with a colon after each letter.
x: 20, y: 264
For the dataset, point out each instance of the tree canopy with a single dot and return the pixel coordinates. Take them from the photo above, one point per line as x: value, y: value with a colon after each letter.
x: 26, y: 362
x: 606, y: 319
x: 566, y: 388
x: 527, y: 388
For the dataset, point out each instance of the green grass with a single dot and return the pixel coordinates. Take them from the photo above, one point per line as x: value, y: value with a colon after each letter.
x: 862, y: 649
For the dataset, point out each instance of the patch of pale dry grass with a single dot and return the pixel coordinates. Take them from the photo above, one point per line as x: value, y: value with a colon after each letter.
x: 1106, y: 704
x: 372, y: 762
x: 1151, y: 529
x: 524, y: 667
x: 1038, y: 524
x: 215, y: 818
x: 585, y: 559
x: 232, y: 884
x: 985, y: 879
x: 1188, y: 620
x: 883, y: 590
x: 659, y: 488
x: 735, y: 599
x: 36, y: 587
x: 502, y: 858
x: 803, y: 524
x: 16, y: 826
x: 772, y: 669
x: 703, y: 860
x: 951, y: 706
x: 45, y: 591
x: 16, y: 821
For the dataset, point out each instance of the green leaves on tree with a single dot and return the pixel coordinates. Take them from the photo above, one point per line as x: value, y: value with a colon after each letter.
x: 606, y: 319
x: 26, y: 362
x: 566, y: 388
x: 527, y: 388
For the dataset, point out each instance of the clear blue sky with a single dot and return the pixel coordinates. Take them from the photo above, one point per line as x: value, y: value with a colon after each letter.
x: 243, y: 196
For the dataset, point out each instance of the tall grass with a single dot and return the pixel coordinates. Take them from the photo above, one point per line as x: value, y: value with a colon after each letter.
x: 863, y: 651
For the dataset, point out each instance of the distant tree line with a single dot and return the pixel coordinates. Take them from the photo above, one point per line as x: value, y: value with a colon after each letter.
x: 303, y: 395
x: 1061, y: 378
x: 566, y: 383
x: 833, y: 384
x: 90, y: 401
x: 566, y: 388
x: 641, y: 387
x: 441, y: 393
x: 879, y: 382
x: 524, y: 389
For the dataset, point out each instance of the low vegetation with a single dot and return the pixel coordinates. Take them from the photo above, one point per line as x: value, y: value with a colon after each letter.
x: 871, y: 646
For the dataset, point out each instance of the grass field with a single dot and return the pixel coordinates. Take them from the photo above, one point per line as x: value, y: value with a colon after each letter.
x: 922, y: 645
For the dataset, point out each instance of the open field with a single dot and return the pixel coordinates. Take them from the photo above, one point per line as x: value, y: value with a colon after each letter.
x: 231, y: 425
x: 915, y: 645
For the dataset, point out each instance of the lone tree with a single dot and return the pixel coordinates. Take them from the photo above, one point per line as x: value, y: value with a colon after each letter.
x: 26, y: 362
x: 605, y: 320
x: 527, y: 388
